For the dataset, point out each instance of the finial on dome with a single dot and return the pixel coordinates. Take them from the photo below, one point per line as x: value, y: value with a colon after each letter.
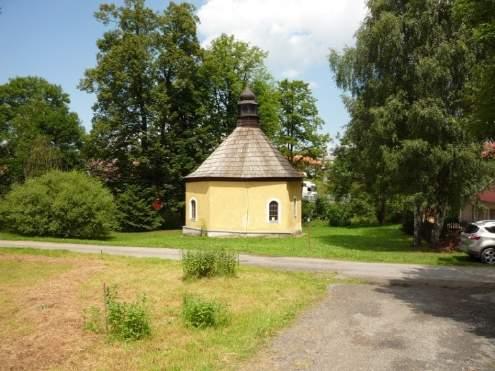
x: 247, y: 94
x: 248, y: 107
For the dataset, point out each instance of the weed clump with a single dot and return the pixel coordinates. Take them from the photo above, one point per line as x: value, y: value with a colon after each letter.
x: 201, y: 313
x: 126, y: 321
x: 209, y: 263
x: 121, y: 320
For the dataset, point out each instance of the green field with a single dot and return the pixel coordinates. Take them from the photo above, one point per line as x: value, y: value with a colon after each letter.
x: 43, y: 295
x: 373, y: 244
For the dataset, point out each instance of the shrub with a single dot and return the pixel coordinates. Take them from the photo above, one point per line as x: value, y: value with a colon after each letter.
x: 209, y: 263
x: 200, y: 313
x: 61, y: 204
x: 136, y: 213
x: 356, y: 210
x: 338, y: 214
x: 308, y: 210
x: 126, y: 321
x: 322, y: 204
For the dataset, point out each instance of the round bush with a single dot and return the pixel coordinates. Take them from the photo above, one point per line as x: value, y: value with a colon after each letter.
x: 60, y: 204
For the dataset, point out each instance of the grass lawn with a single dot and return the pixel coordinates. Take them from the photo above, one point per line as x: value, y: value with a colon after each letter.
x: 43, y: 295
x: 373, y: 244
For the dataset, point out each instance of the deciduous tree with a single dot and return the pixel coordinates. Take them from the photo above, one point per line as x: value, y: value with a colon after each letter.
x: 300, y: 122
x: 407, y: 75
x: 35, y: 113
x: 148, y: 119
x: 229, y: 66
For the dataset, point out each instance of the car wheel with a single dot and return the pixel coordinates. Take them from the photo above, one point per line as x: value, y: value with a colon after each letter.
x: 488, y: 255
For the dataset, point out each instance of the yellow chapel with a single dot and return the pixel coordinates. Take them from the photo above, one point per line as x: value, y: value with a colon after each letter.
x: 245, y: 187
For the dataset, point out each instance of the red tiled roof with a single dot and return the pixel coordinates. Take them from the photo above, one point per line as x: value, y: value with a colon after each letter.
x: 487, y: 196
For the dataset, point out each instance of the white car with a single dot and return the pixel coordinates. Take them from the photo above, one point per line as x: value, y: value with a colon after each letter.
x: 309, y: 191
x: 478, y: 240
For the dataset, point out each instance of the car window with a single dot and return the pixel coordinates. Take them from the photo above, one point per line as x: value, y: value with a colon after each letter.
x: 471, y: 228
x: 490, y: 229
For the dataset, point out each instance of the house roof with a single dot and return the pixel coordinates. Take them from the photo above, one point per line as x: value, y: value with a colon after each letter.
x: 246, y: 153
x: 308, y: 160
x: 487, y: 196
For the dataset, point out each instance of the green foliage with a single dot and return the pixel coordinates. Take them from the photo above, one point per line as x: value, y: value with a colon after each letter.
x: 59, y: 204
x: 407, y: 224
x: 230, y: 65
x: 35, y: 114
x: 201, y: 313
x: 308, y: 210
x: 42, y: 158
x: 135, y: 211
x: 209, y: 263
x: 299, y: 122
x: 147, y: 83
x: 355, y: 211
x: 322, y: 204
x: 478, y: 20
x: 338, y: 215
x: 94, y: 320
x: 126, y: 321
x: 407, y: 136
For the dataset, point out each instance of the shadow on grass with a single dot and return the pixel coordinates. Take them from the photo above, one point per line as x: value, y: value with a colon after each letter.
x: 369, y: 243
x: 372, y: 238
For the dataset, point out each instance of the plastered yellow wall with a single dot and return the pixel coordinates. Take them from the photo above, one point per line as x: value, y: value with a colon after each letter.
x: 199, y: 192
x: 243, y: 206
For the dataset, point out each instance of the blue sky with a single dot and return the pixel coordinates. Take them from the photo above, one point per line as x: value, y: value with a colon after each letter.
x: 56, y: 39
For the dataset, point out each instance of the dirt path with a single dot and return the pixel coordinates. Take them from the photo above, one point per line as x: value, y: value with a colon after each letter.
x: 366, y: 327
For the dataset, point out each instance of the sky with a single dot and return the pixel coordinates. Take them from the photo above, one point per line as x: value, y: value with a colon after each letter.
x: 56, y: 39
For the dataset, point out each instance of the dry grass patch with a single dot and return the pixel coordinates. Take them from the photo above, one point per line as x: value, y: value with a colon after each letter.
x: 52, y: 304
x: 40, y: 319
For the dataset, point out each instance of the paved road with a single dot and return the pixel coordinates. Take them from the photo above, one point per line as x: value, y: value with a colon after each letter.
x: 370, y: 327
x: 401, y: 274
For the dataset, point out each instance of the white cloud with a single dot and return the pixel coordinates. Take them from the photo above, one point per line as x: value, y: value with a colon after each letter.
x: 296, y: 33
x: 313, y: 85
x: 291, y: 73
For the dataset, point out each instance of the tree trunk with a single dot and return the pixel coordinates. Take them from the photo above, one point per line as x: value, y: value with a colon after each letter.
x: 381, y: 211
x: 437, y: 226
x: 417, y: 226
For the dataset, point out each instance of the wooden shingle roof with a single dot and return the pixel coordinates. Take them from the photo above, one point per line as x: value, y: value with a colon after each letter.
x: 246, y: 153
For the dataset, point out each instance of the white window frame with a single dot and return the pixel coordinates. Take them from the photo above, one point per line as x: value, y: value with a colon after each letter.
x: 191, y: 209
x: 279, y: 211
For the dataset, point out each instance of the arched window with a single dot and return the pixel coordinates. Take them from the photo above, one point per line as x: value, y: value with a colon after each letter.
x: 193, y: 209
x: 273, y: 211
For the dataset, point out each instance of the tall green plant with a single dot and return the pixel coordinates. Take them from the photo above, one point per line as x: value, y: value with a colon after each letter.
x: 209, y: 263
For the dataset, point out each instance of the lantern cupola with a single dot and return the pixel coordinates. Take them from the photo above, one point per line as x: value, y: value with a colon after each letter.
x: 248, y: 109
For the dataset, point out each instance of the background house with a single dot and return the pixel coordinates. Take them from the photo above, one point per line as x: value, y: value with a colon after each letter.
x: 482, y: 207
